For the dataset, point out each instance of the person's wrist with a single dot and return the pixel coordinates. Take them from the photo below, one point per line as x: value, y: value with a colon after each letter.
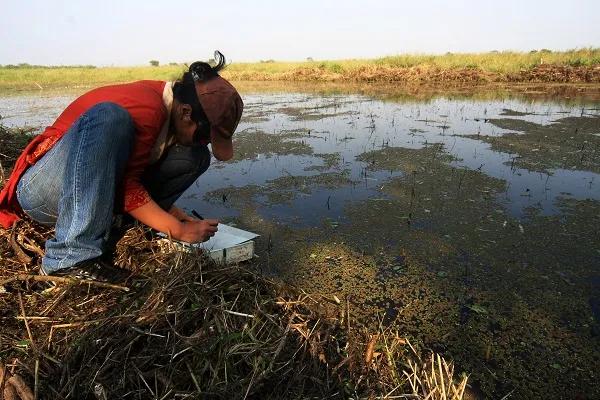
x: 175, y: 212
x: 179, y: 230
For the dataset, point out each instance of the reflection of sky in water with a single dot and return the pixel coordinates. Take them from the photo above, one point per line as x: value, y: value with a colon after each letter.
x: 363, y: 125
x: 37, y: 110
x: 368, y: 124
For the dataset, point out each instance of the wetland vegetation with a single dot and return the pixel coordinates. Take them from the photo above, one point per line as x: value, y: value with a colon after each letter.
x: 574, y: 66
x: 454, y: 221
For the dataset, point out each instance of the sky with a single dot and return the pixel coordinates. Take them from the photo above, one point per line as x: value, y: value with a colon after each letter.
x: 133, y: 32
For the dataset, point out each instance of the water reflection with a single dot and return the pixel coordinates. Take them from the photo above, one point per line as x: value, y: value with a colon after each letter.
x: 350, y: 125
x: 33, y: 110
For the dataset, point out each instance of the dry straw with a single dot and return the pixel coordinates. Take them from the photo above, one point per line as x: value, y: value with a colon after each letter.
x: 192, y: 329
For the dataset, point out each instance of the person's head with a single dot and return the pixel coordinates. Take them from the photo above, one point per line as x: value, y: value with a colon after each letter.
x: 207, y: 108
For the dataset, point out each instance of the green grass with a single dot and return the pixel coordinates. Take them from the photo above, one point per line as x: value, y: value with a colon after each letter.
x: 495, y: 62
x: 31, y: 77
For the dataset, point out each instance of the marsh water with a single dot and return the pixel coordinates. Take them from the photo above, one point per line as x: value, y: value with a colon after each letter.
x: 469, y: 223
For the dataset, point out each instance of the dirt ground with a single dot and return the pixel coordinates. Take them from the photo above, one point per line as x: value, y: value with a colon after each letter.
x: 569, y: 143
x: 538, y: 74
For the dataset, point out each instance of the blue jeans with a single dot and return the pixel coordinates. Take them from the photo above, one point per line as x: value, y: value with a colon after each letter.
x: 72, y: 187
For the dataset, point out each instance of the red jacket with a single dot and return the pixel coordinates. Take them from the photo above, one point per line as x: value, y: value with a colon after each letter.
x: 144, y: 102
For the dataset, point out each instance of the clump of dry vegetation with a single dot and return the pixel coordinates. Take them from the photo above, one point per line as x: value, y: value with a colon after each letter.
x: 190, y: 328
x: 198, y: 329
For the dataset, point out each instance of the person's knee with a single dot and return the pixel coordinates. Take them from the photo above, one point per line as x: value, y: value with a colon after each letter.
x: 202, y: 158
x: 188, y: 160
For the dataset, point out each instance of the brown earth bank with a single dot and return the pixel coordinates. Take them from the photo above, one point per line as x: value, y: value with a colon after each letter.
x: 540, y: 74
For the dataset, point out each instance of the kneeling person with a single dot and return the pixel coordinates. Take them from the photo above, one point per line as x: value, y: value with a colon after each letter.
x: 130, y: 148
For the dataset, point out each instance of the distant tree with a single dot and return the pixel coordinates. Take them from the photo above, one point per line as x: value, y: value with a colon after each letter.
x: 172, y: 63
x: 545, y: 51
x: 494, y: 51
x: 154, y: 63
x: 309, y: 59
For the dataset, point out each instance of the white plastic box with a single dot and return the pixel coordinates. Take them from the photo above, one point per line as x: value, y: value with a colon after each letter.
x: 229, y: 245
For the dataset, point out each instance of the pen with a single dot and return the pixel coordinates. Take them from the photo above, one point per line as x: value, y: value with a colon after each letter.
x: 197, y: 215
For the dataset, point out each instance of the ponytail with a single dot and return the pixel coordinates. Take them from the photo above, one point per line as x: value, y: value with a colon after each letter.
x: 184, y: 89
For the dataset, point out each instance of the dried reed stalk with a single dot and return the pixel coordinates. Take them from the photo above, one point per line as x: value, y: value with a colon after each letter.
x: 57, y: 279
x: 436, y: 380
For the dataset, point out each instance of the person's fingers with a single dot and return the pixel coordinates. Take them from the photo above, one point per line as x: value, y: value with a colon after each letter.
x: 208, y: 235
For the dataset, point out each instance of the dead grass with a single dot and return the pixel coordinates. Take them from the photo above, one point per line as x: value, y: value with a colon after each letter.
x: 193, y: 329
x: 201, y: 330
x: 426, y: 74
x: 12, y: 143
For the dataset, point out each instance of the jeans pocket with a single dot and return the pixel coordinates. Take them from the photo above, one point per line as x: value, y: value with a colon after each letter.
x: 42, y: 214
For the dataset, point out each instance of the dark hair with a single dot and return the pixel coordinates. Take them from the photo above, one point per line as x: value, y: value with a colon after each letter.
x: 185, y: 91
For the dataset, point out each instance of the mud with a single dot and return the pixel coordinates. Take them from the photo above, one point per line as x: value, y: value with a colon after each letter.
x: 311, y: 114
x: 568, y: 143
x: 250, y: 143
x: 436, y: 257
x: 279, y: 191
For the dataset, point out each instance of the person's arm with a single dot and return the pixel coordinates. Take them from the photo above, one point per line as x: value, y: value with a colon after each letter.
x: 190, y: 231
x: 180, y: 215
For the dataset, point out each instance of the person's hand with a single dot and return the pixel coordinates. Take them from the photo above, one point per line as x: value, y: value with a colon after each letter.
x: 195, y: 231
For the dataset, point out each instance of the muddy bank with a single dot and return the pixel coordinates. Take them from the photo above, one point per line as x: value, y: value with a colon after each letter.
x: 424, y: 74
x: 251, y: 143
x: 568, y: 143
x: 436, y: 256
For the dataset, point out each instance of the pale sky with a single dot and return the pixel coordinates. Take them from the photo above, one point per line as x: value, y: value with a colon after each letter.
x: 133, y: 32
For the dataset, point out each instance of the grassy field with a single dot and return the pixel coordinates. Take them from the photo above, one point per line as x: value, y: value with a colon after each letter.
x: 500, y: 62
x: 582, y: 65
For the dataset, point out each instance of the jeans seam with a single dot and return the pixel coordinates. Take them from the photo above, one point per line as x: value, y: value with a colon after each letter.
x: 82, y: 131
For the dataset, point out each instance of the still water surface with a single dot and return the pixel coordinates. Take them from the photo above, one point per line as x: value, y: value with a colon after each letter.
x: 350, y: 125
